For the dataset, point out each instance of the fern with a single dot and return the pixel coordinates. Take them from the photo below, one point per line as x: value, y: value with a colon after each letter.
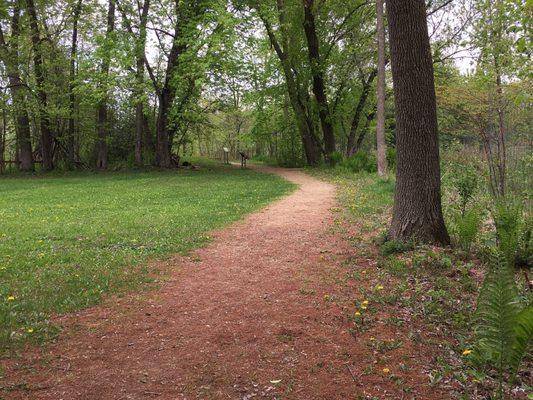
x: 503, y: 329
x: 523, y: 333
x: 507, y: 216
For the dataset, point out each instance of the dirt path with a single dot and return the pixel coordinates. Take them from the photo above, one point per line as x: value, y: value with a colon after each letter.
x: 245, y: 317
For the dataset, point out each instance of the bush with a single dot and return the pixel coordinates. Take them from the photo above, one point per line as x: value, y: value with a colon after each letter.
x: 359, y: 162
x: 507, y: 215
x: 335, y: 158
x: 465, y: 182
x: 466, y: 227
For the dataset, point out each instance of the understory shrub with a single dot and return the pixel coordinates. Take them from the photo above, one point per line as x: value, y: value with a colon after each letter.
x: 507, y: 215
x: 466, y: 226
x: 391, y: 158
x: 395, y: 247
x: 359, y: 162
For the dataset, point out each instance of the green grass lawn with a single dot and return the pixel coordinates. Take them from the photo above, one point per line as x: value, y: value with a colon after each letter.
x: 65, y: 240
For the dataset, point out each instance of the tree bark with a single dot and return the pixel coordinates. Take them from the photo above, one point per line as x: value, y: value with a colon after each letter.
x: 319, y: 86
x: 381, y: 146
x: 44, y: 118
x: 71, y: 141
x: 10, y: 58
x: 102, y: 111
x: 417, y: 211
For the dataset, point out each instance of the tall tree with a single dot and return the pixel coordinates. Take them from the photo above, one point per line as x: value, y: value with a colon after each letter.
x: 72, y: 77
x: 40, y: 79
x: 380, y: 92
x: 417, y: 212
x: 296, y: 90
x: 102, y: 109
x: 9, y: 54
x: 317, y: 72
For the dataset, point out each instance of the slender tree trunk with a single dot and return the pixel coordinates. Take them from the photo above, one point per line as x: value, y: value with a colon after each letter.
x: 380, y: 95
x: 353, y: 145
x: 71, y: 141
x: 319, y: 87
x: 139, y: 107
x: 10, y: 58
x: 3, y: 140
x: 102, y: 111
x: 46, y: 134
x: 417, y: 212
x: 303, y: 119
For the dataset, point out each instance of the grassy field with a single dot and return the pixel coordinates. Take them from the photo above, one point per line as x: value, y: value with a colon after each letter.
x: 65, y: 240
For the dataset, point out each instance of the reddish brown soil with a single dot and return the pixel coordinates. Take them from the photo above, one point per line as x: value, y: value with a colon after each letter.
x: 246, y: 317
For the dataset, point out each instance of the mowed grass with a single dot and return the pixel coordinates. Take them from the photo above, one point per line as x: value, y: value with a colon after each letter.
x: 67, y: 240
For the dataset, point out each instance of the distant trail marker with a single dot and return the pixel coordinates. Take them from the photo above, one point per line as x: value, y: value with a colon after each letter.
x: 226, y: 155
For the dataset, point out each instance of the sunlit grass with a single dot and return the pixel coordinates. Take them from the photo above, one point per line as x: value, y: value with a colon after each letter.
x: 65, y: 240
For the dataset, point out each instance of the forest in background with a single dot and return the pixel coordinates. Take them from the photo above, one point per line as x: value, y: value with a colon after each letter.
x: 94, y: 84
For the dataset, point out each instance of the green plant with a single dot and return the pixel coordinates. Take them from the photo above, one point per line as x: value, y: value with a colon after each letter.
x: 335, y: 158
x: 395, y: 247
x: 465, y: 182
x: 359, y: 162
x: 466, y: 227
x: 507, y: 215
x: 504, y: 327
x: 391, y: 158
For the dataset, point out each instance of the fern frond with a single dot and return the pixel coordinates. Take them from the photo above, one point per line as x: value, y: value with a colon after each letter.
x: 496, y: 314
x: 523, y: 328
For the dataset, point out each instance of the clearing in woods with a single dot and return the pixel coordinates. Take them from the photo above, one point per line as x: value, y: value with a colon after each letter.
x: 248, y: 316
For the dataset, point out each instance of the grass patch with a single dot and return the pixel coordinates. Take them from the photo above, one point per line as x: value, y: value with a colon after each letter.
x: 65, y: 240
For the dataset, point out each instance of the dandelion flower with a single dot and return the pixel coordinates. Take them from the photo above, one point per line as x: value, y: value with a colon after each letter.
x: 379, y: 287
x: 467, y: 352
x: 386, y: 370
x: 29, y: 330
x: 357, y: 314
x: 10, y: 298
x: 363, y: 307
x: 365, y: 302
x: 372, y: 338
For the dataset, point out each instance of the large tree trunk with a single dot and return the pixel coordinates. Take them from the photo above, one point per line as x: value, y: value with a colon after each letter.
x: 319, y: 87
x: 44, y: 118
x: 71, y: 142
x: 417, y: 212
x: 102, y: 112
x: 380, y: 95
x: 10, y: 58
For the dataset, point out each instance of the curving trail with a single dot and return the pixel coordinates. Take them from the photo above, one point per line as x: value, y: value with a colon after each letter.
x: 242, y: 318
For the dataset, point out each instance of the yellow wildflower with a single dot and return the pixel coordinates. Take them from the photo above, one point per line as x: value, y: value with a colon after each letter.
x: 357, y: 314
x: 379, y: 287
x: 10, y: 298
x: 467, y: 352
x: 29, y: 330
x: 386, y: 370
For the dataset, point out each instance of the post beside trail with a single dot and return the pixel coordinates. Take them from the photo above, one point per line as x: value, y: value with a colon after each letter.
x: 226, y: 155
x: 244, y: 157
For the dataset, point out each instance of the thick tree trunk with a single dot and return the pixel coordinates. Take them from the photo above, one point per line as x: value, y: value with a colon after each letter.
x: 381, y: 146
x: 417, y: 212
x: 71, y: 140
x: 319, y: 86
x: 162, y: 156
x: 44, y: 118
x: 102, y: 111
x: 10, y: 58
x: 3, y: 134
